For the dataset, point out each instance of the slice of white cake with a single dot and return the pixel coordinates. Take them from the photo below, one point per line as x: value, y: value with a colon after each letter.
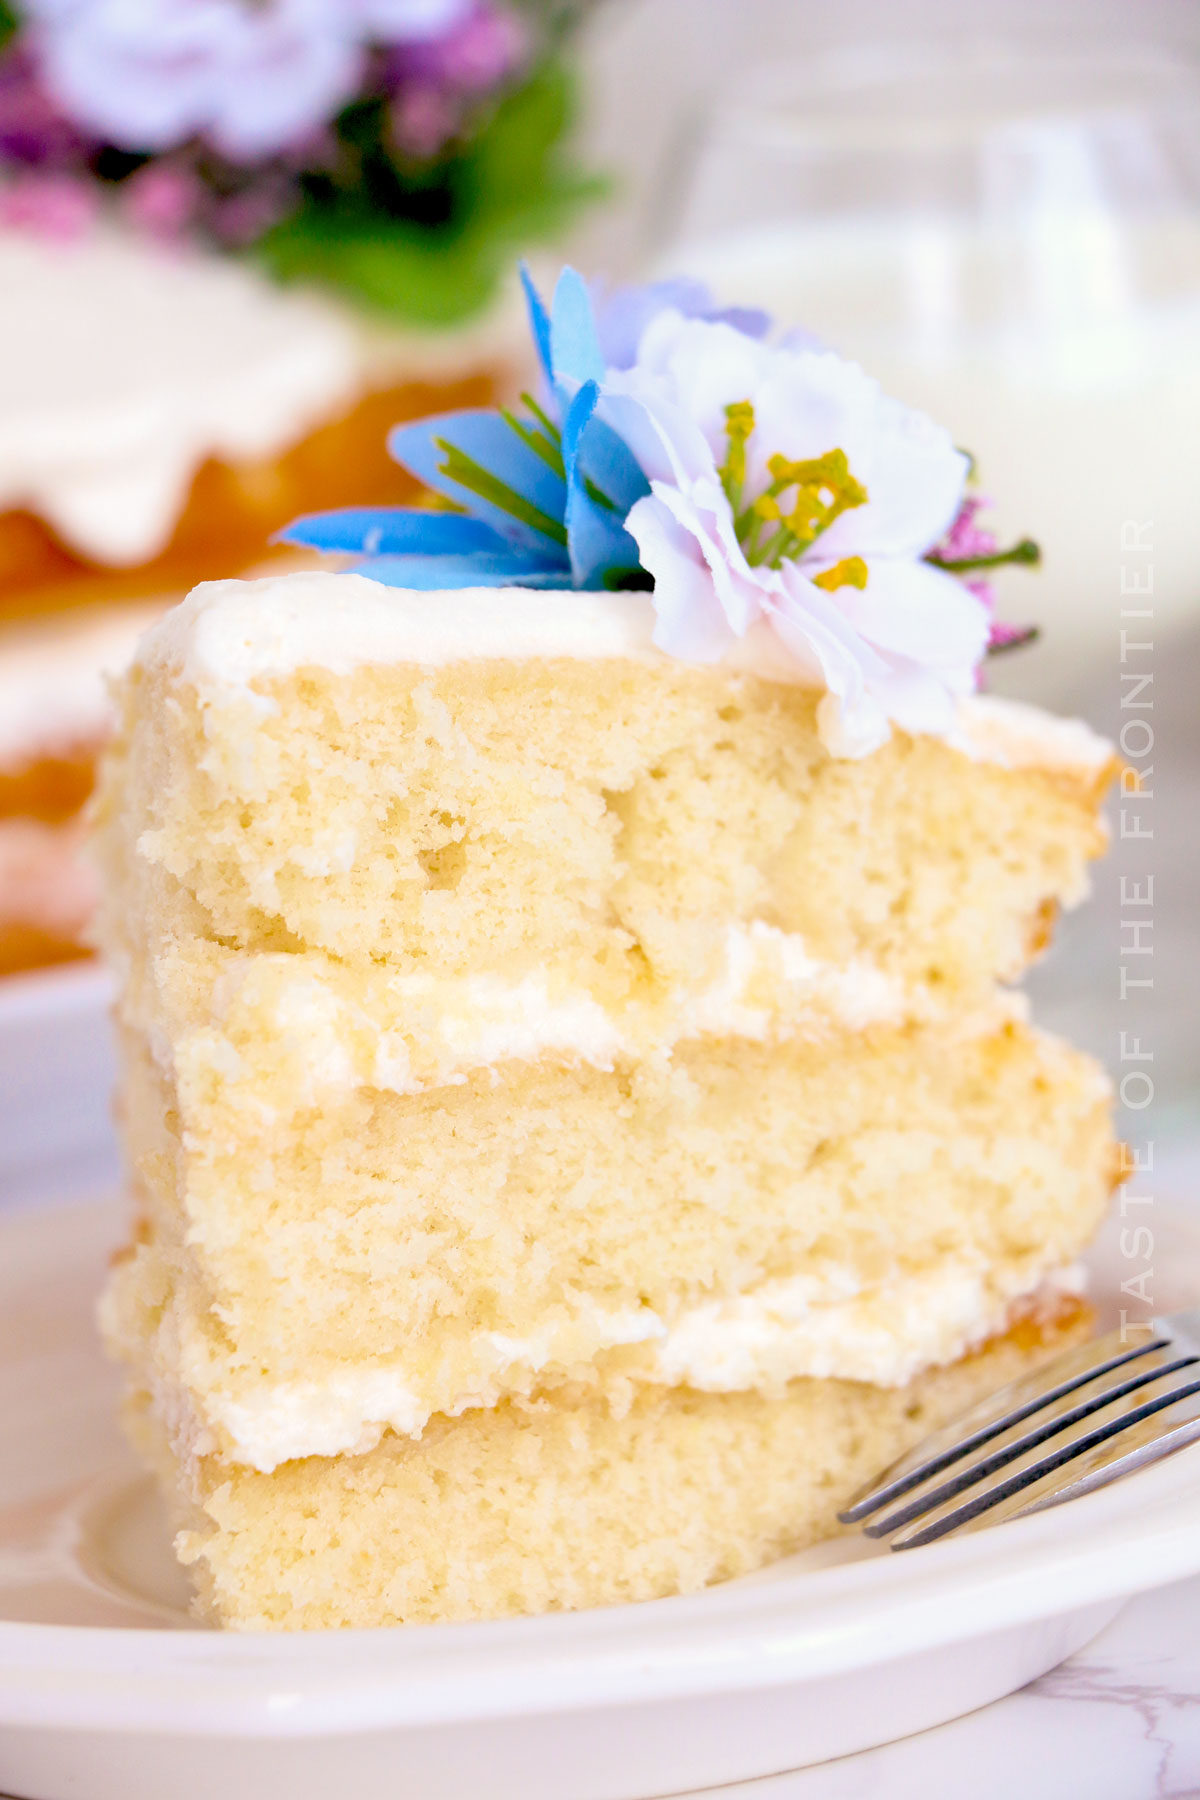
x: 577, y: 1129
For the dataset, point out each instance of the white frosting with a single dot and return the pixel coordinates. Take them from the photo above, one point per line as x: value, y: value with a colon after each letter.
x: 126, y: 365
x: 825, y: 1325
x: 489, y: 1021
x: 855, y: 993
x: 231, y: 634
x: 405, y: 1032
x: 1021, y: 736
x: 54, y: 679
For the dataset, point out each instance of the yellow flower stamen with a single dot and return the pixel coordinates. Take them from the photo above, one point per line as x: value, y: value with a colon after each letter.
x: 769, y: 531
x: 739, y: 423
x: 825, y: 489
x: 850, y: 572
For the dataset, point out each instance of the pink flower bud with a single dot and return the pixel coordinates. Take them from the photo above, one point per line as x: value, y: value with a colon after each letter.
x: 53, y: 206
x: 162, y: 200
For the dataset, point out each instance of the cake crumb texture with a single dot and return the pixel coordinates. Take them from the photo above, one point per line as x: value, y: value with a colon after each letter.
x: 606, y: 821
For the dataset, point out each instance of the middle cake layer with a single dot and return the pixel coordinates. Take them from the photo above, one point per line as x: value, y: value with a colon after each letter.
x: 318, y: 1267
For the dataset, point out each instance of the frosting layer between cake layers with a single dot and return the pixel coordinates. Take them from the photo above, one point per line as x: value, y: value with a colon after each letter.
x: 323, y: 1029
x: 820, y: 1325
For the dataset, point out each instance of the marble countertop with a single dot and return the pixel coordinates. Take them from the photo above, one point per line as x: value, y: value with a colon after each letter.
x: 1119, y: 1721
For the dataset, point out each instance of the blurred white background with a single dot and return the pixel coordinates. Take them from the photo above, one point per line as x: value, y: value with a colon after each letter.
x: 996, y: 205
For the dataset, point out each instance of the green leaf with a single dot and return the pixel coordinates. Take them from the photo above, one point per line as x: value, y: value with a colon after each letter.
x: 430, y: 247
x: 472, y: 475
x: 389, y: 265
x: 542, y: 446
x: 8, y: 22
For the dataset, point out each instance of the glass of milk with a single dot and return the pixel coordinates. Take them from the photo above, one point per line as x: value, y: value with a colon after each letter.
x: 1007, y: 235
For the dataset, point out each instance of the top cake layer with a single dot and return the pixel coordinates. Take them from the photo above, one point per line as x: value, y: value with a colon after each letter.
x: 434, y: 815
x: 237, y: 634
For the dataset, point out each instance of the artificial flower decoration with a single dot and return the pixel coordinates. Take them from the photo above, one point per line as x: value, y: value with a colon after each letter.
x: 399, y: 149
x: 767, y: 494
x: 786, y: 490
x: 253, y: 81
x: 541, y: 500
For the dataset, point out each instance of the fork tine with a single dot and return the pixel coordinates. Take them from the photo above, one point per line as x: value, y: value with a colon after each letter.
x: 1147, y: 1441
x: 1050, y: 1456
x: 1006, y: 1446
x: 998, y: 1413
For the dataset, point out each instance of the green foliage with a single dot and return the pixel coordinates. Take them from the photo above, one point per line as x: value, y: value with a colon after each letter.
x: 1027, y: 552
x: 472, y: 475
x: 542, y: 437
x: 8, y: 22
x: 429, y: 247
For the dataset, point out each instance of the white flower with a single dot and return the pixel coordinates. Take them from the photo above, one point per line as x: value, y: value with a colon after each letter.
x: 251, y: 76
x: 899, y: 649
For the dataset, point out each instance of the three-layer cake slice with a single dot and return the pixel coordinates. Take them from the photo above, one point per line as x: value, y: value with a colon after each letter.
x: 578, y: 1124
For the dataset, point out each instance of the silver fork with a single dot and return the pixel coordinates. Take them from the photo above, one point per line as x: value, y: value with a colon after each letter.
x: 1080, y: 1421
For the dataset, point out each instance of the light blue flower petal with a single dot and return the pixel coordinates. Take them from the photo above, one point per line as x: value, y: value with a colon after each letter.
x: 610, y: 463
x: 539, y: 321
x: 596, y: 536
x: 432, y: 572
x: 381, y: 530
x: 575, y: 353
x: 485, y: 437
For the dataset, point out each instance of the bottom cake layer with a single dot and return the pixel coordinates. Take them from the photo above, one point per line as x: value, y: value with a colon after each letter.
x: 558, y: 1502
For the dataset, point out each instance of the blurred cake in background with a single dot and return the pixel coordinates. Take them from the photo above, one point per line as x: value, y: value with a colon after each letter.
x: 236, y: 244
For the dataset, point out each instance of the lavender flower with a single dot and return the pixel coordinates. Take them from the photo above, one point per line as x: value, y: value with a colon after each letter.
x: 404, y: 21
x: 474, y: 53
x: 33, y: 130
x: 434, y: 83
x: 623, y: 313
x: 286, y: 125
x: 251, y: 79
x: 237, y: 220
x: 423, y: 120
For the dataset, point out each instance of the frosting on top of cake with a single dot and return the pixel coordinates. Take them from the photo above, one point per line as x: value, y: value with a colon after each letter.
x: 231, y: 634
x: 131, y: 363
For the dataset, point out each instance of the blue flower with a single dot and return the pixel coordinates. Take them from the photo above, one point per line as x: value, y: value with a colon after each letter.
x: 540, y: 500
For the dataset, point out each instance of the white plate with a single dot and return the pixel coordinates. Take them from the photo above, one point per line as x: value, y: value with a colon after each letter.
x: 107, y: 1693
x: 56, y: 1074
